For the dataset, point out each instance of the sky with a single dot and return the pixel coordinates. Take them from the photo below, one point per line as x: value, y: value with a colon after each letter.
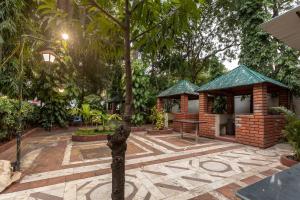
x: 231, y: 65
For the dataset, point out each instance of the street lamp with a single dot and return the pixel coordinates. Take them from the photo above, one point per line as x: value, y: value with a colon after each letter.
x: 49, y: 57
x: 65, y: 36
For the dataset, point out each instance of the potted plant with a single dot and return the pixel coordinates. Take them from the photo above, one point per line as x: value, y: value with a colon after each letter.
x: 292, y: 134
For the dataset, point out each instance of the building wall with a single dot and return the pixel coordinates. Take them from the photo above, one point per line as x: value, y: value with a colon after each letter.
x: 241, y: 105
x: 193, y: 107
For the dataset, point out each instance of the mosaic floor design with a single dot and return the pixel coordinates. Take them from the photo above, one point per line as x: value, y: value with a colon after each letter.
x: 157, y: 167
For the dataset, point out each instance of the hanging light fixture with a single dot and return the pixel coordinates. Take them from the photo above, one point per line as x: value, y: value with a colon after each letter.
x: 48, y: 55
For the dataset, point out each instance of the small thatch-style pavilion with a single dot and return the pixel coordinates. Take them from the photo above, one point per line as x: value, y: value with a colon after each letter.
x: 185, y: 91
x: 259, y: 127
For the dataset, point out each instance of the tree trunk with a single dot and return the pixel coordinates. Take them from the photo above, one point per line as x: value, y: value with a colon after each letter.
x: 117, y: 142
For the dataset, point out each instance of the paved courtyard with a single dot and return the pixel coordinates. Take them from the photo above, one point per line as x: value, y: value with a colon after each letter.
x: 157, y: 167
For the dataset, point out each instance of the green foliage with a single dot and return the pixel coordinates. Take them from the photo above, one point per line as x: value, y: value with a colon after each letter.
x: 262, y: 52
x: 158, y: 118
x: 292, y: 130
x: 94, y: 101
x: 9, y: 112
x: 219, y: 106
x: 54, y: 112
x: 141, y: 94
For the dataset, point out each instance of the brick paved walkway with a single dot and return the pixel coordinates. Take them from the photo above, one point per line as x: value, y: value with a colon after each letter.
x: 157, y: 167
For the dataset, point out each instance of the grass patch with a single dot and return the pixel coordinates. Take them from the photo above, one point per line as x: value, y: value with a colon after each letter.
x: 91, y: 132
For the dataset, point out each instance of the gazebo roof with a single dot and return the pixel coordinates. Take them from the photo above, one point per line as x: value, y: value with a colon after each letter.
x: 181, y: 87
x: 240, y: 76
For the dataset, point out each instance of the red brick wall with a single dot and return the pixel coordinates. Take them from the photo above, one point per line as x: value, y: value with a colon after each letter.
x: 260, y: 99
x: 184, y: 103
x: 187, y: 127
x: 258, y: 130
x: 206, y: 129
x: 274, y: 124
x: 159, y: 104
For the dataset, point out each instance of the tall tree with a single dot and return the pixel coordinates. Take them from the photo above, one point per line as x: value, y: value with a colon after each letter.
x: 187, y: 55
x: 136, y: 19
x: 261, y: 51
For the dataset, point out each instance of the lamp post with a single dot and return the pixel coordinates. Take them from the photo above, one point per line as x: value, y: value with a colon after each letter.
x: 48, y: 56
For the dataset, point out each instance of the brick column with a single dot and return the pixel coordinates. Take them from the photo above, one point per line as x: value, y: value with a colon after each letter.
x: 230, y: 104
x: 184, y: 103
x: 159, y: 104
x: 284, y: 98
x: 203, y: 102
x: 260, y: 99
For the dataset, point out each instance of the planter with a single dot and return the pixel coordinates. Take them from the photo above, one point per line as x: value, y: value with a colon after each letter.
x: 89, y: 138
x: 285, y: 160
x: 159, y: 132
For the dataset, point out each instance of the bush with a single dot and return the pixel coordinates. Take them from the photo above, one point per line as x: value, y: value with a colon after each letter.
x: 54, y: 112
x: 157, y: 117
x: 94, y: 101
x: 291, y: 130
x: 9, y: 112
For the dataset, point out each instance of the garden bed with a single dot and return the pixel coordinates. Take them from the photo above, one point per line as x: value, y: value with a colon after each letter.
x: 89, y: 135
x: 159, y: 131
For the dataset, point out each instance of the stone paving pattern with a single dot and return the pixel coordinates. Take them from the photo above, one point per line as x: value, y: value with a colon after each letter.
x: 157, y: 167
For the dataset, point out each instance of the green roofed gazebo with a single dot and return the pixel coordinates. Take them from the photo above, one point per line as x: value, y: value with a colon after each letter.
x: 182, y: 87
x: 258, y: 126
x: 240, y: 76
x: 185, y: 91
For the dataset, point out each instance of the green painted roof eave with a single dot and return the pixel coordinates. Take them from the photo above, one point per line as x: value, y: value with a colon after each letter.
x: 240, y: 76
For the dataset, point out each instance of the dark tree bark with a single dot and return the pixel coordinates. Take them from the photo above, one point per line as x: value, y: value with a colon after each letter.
x: 118, y: 145
x: 117, y: 142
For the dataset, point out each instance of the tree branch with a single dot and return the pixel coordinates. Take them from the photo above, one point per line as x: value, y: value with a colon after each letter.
x: 219, y: 50
x: 154, y: 26
x: 137, y: 5
x: 114, y: 19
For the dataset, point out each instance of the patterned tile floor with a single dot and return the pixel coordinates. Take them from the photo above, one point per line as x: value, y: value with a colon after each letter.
x: 157, y: 167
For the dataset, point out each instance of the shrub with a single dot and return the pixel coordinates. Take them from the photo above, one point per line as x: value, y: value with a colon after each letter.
x: 94, y: 101
x: 157, y: 117
x: 9, y: 112
x: 292, y: 130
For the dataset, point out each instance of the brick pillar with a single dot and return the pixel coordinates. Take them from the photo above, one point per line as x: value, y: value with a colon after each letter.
x: 284, y: 98
x: 184, y: 103
x: 260, y: 99
x: 203, y: 102
x: 230, y: 104
x: 159, y: 104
